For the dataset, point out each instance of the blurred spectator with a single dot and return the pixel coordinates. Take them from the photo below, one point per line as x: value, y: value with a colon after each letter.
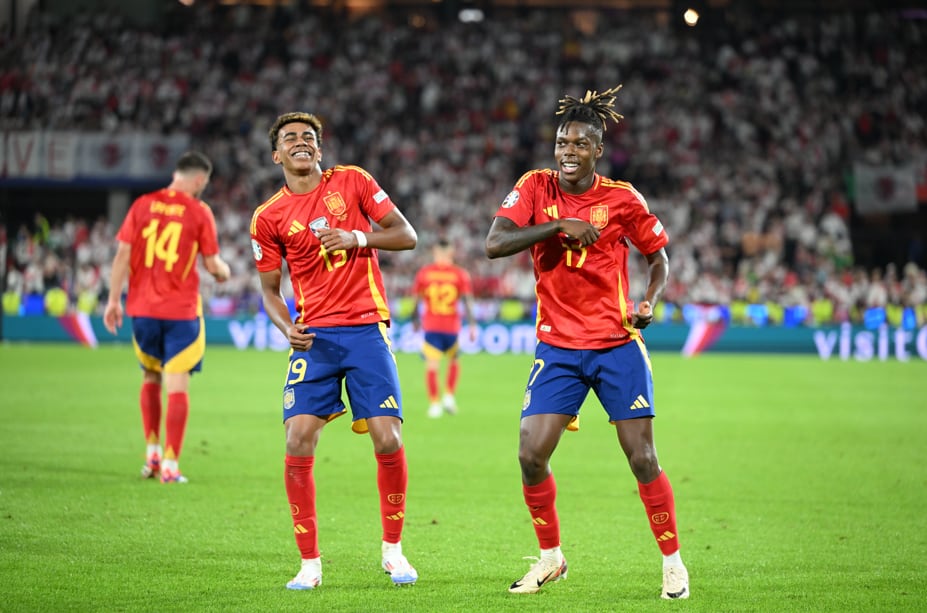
x: 758, y: 117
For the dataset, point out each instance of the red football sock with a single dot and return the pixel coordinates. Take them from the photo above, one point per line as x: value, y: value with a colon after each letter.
x: 178, y: 407
x: 540, y: 499
x: 657, y: 497
x: 431, y: 385
x: 392, y: 481
x: 150, y: 402
x: 453, y: 373
x: 300, y: 491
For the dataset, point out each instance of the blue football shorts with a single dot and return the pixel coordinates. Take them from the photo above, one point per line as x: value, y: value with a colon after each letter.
x: 437, y: 344
x: 560, y: 380
x: 169, y: 345
x: 358, y: 356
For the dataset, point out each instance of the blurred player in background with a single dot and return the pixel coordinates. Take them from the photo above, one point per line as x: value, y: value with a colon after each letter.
x: 319, y: 223
x: 439, y: 289
x: 579, y: 226
x: 159, y: 241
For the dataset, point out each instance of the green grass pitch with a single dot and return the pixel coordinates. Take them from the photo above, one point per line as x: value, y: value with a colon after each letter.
x: 800, y: 486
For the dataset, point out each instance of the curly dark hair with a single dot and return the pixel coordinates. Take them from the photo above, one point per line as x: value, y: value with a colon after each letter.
x: 297, y: 116
x: 593, y: 109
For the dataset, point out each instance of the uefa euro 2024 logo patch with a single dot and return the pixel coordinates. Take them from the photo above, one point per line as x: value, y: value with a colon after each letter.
x: 256, y: 248
x: 511, y: 199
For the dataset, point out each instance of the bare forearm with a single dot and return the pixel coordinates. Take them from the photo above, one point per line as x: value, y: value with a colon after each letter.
x: 118, y: 275
x: 394, y: 234
x: 468, y: 310
x: 396, y: 238
x: 116, y: 282
x: 505, y: 242
x: 654, y: 292
x: 278, y: 311
x: 658, y: 268
x: 217, y: 267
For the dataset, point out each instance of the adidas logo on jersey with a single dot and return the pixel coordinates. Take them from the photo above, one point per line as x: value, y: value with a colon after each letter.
x: 296, y: 227
x: 640, y: 403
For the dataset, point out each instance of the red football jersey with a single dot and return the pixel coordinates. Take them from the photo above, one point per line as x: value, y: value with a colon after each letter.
x: 583, y: 300
x: 441, y: 286
x: 340, y: 288
x: 167, y: 229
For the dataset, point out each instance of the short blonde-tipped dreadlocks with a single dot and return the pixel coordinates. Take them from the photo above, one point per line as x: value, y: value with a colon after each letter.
x: 593, y: 108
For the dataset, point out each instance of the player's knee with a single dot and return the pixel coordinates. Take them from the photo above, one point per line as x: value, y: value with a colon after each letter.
x: 300, y: 440
x: 532, y: 464
x: 386, y: 446
x: 644, y: 465
x: 296, y: 445
x: 386, y: 439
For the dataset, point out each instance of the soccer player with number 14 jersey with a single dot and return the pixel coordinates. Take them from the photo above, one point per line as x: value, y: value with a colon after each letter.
x: 579, y: 227
x: 159, y: 242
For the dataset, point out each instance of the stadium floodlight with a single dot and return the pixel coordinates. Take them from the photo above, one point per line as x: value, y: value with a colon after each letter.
x: 691, y: 17
x: 470, y: 15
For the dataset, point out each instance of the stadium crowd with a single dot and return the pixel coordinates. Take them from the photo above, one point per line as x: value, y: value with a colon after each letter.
x: 740, y: 134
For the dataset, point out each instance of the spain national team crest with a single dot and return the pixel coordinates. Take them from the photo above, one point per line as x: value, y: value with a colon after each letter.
x: 289, y: 398
x: 598, y: 216
x: 336, y: 205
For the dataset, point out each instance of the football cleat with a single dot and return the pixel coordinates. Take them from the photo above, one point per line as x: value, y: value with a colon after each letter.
x: 309, y: 576
x: 675, y: 582
x: 449, y: 404
x: 435, y: 410
x: 399, y: 570
x: 152, y: 466
x: 544, y: 570
x: 172, y: 476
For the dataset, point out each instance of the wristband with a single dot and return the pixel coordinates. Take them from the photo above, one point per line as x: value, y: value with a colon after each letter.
x: 361, y: 238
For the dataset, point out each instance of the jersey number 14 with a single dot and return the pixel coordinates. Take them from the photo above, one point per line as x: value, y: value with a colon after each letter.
x: 163, y: 244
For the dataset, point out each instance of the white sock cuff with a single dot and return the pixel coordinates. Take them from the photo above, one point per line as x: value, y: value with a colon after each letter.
x: 395, y: 548
x: 553, y: 552
x: 673, y: 559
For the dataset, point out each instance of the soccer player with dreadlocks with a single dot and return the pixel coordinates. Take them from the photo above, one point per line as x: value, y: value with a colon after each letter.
x: 579, y: 226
